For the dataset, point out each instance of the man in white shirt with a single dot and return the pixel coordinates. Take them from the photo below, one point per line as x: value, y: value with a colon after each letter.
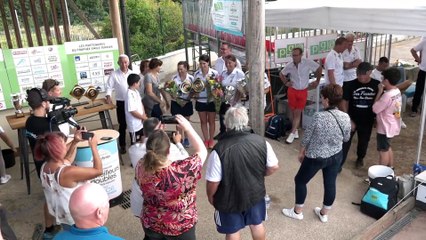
x: 295, y: 76
x: 118, y: 81
x: 235, y: 176
x: 420, y: 83
x: 334, y: 63
x: 225, y: 50
x: 381, y: 66
x: 351, y: 58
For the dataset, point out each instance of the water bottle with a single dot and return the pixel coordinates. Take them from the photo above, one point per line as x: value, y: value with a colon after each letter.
x: 267, y: 201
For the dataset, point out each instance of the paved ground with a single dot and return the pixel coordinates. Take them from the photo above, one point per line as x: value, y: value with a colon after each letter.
x: 345, y: 220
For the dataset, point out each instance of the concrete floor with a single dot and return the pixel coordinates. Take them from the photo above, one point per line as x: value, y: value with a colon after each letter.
x: 345, y: 219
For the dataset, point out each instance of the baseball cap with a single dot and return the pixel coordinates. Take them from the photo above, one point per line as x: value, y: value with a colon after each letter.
x: 36, y: 96
x: 48, y: 84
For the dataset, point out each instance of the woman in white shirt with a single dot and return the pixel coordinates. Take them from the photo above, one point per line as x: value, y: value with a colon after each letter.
x: 229, y: 79
x: 205, y: 103
x: 182, y: 104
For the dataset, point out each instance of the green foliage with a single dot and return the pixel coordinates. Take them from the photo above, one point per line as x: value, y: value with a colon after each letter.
x: 147, y: 31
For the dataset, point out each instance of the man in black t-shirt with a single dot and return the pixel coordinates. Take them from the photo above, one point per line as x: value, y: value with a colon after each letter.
x: 358, y: 99
x: 38, y: 123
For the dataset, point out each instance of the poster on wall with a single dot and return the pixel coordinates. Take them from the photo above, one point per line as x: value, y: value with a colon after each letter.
x: 34, y: 65
x: 93, y: 61
x: 283, y: 48
x: 319, y: 46
x: 227, y: 16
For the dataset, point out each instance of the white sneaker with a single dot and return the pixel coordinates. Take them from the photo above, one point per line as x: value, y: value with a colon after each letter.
x: 5, y: 179
x: 403, y: 125
x: 291, y: 214
x: 323, y: 218
x: 290, y: 138
x: 296, y: 134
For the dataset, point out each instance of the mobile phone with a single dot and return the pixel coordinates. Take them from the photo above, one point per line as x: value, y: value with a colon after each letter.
x: 106, y: 138
x: 86, y: 135
x: 168, y: 120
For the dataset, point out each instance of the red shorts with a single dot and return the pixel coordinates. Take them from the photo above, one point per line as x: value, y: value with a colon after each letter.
x: 297, y: 98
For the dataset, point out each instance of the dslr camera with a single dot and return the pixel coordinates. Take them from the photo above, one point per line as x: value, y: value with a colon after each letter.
x: 168, y: 120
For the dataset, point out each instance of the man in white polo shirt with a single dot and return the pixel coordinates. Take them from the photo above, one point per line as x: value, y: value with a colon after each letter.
x: 351, y: 58
x: 334, y: 63
x: 295, y: 76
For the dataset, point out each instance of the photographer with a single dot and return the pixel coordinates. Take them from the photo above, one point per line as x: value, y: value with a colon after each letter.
x: 138, y: 151
x: 38, y: 124
x: 54, y: 90
x: 58, y: 177
x: 169, y: 187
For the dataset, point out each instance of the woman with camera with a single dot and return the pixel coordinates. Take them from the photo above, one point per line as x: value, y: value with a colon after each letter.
x: 169, y: 188
x: 205, y: 103
x: 153, y: 101
x: 58, y: 177
x: 182, y: 104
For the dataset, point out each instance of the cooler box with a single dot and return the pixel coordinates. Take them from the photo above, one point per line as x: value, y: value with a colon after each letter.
x: 421, y: 190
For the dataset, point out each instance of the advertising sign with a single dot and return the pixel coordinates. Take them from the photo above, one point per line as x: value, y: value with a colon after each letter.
x: 320, y: 46
x: 283, y: 48
x: 227, y: 16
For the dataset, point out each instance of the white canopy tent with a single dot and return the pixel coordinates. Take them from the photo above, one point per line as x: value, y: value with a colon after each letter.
x: 405, y: 17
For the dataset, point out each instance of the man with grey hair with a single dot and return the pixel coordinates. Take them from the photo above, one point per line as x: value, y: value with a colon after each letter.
x: 235, y: 176
x: 118, y: 81
x: 351, y: 58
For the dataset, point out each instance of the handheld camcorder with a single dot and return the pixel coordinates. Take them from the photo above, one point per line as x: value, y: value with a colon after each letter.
x: 61, y: 112
x: 168, y: 120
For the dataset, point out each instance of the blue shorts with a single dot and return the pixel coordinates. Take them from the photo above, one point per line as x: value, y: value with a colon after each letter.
x: 228, y: 223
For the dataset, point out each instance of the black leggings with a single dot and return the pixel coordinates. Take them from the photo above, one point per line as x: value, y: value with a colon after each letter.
x: 151, y: 235
x: 121, y: 119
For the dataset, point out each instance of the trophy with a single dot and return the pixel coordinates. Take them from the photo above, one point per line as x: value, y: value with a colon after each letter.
x: 77, y: 92
x: 17, y: 100
x: 91, y: 93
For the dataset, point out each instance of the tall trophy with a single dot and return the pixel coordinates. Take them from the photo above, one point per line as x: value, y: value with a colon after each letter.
x: 77, y: 92
x: 17, y: 100
x: 91, y: 93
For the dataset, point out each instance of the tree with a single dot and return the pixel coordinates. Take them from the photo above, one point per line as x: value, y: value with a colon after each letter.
x: 146, y: 33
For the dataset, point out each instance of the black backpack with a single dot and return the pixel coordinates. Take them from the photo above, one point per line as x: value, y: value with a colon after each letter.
x: 380, y: 197
x: 277, y: 126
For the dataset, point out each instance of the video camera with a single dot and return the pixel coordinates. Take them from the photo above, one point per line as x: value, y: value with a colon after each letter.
x: 62, y: 112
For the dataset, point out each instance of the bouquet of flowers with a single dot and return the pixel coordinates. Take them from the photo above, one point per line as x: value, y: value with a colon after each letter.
x: 215, y: 90
x: 170, y: 87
